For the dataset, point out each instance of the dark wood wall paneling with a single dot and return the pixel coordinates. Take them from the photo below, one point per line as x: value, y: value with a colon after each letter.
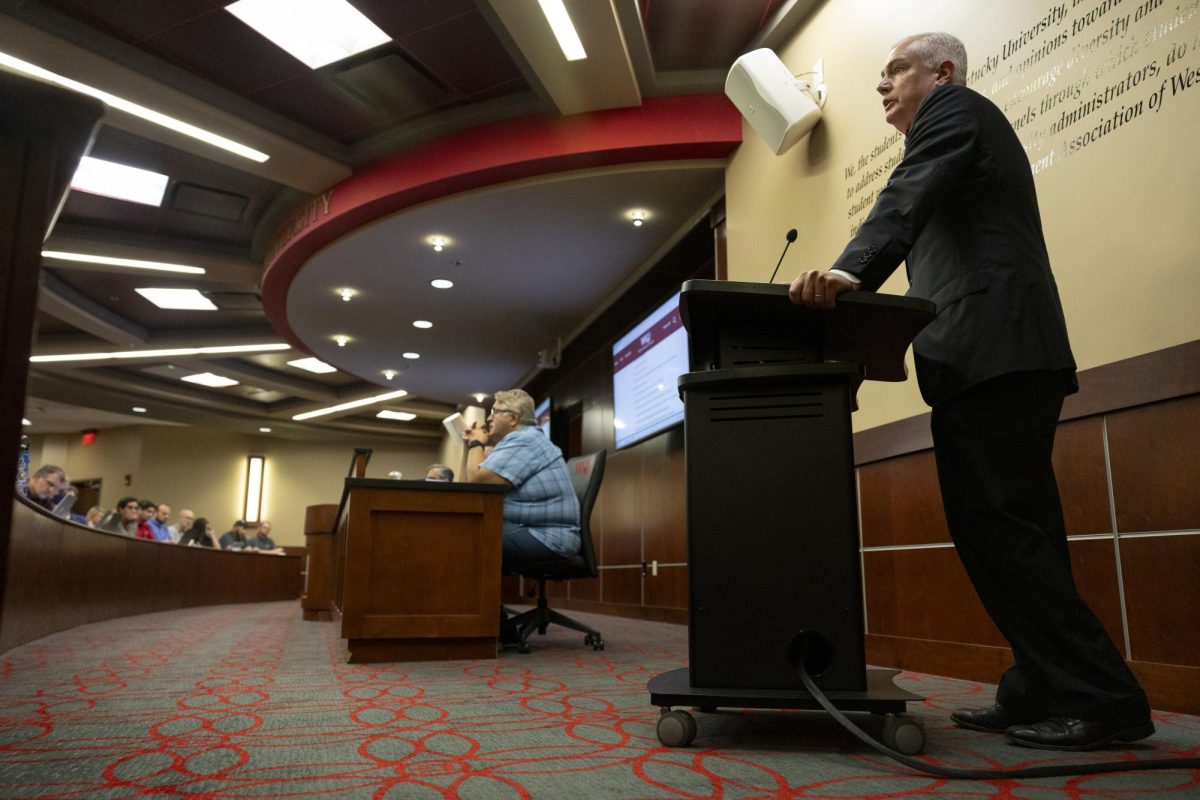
x: 62, y: 575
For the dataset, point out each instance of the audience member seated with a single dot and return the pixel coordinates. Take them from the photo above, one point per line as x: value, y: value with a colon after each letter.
x: 439, y: 473
x: 186, y: 519
x: 46, y: 485
x: 198, y: 534
x: 262, y: 541
x: 541, y: 511
x: 158, y: 524
x: 146, y: 511
x: 94, y: 515
x: 235, y: 539
x: 124, y: 519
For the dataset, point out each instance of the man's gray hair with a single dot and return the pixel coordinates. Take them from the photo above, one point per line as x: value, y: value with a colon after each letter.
x: 517, y: 400
x: 934, y: 48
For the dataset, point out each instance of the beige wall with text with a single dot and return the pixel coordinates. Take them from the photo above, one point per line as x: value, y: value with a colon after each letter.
x: 1119, y: 211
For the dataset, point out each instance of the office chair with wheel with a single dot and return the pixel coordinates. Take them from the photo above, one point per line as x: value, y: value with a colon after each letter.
x: 586, y: 473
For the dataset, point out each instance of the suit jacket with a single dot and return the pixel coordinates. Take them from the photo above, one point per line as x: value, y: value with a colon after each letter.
x: 961, y: 211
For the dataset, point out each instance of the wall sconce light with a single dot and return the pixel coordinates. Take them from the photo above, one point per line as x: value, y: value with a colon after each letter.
x: 255, y: 471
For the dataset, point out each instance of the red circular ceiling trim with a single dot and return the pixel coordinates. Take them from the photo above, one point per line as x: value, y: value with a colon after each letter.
x: 661, y: 129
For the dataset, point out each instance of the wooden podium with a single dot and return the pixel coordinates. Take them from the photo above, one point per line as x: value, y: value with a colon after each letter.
x: 417, y: 569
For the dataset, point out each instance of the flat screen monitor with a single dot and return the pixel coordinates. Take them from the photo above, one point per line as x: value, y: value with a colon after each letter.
x: 647, y: 363
x: 542, y: 414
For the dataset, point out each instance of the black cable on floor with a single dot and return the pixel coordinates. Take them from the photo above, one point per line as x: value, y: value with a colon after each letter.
x: 1056, y: 771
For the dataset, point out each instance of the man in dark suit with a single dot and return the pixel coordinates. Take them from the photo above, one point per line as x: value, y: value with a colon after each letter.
x: 994, y: 365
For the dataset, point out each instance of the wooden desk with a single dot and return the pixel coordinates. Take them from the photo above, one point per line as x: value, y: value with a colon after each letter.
x: 417, y: 570
x: 317, y: 601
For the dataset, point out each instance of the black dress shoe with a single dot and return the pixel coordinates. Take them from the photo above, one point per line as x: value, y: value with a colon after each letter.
x: 994, y: 719
x: 1067, y: 733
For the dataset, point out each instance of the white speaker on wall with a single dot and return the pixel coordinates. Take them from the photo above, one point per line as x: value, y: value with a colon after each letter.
x: 777, y: 104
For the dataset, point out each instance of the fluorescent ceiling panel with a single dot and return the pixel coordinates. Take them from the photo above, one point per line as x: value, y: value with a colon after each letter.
x: 119, y: 181
x: 178, y: 299
x: 312, y: 365
x: 175, y: 352
x: 111, y: 261
x: 366, y: 401
x: 317, y: 32
x: 403, y: 416
x: 209, y: 379
x: 129, y: 107
x: 564, y: 30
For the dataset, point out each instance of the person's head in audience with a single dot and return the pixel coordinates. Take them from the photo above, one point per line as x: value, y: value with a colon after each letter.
x: 94, y: 515
x: 146, y: 510
x: 512, y: 409
x: 201, y: 529
x: 129, y: 509
x: 163, y: 513
x: 186, y: 519
x: 47, y: 483
x: 439, y: 473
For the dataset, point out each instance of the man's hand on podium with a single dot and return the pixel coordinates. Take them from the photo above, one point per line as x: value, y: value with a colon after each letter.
x: 819, y: 288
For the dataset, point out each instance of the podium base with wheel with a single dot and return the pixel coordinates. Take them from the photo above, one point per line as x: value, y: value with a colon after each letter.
x: 882, y: 696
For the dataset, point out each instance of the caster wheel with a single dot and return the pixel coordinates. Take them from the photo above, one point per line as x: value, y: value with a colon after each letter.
x: 594, y: 641
x: 903, y: 734
x: 676, y: 728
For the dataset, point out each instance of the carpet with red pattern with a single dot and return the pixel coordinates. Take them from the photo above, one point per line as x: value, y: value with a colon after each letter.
x: 248, y: 701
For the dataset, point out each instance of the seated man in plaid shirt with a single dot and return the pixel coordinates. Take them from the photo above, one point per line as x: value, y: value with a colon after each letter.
x: 541, y: 512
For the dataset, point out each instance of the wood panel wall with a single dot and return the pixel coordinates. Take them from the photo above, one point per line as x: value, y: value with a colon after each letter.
x: 61, y: 575
x: 1127, y: 468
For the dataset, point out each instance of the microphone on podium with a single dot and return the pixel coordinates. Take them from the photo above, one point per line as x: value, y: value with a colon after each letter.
x: 791, y: 237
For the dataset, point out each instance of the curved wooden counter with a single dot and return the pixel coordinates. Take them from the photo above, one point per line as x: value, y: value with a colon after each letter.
x: 61, y: 575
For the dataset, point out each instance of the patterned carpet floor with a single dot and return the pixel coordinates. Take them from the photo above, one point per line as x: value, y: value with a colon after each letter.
x: 248, y: 701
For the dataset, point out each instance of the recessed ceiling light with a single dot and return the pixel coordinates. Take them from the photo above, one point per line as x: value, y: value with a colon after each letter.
x: 121, y: 104
x: 138, y: 410
x: 639, y: 217
x: 341, y: 340
x: 178, y: 299
x: 422, y: 323
x: 210, y: 380
x: 346, y: 293
x: 312, y: 365
x: 480, y: 397
x: 132, y: 263
x: 403, y: 416
x: 24, y: 421
x: 317, y: 32
x: 264, y: 430
x: 412, y: 356
x: 564, y: 30
x: 119, y: 181
x: 389, y: 373
x: 178, y: 351
x: 437, y: 242
x: 441, y: 283
x: 366, y: 401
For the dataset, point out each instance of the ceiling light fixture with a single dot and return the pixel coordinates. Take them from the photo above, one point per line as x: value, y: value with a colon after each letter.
x: 366, y: 401
x: 390, y: 373
x: 422, y: 323
x: 119, y: 181
x: 564, y: 31
x: 317, y: 32
x: 121, y: 104
x: 110, y: 261
x: 341, y: 340
x: 178, y: 299
x: 312, y: 365
x: 138, y: 410
x: 264, y: 430
x: 441, y: 283
x: 209, y: 379
x: 346, y: 294
x: 25, y: 421
x: 639, y: 217
x: 412, y: 356
x: 439, y: 243
x: 403, y: 416
x: 172, y: 353
x: 480, y: 397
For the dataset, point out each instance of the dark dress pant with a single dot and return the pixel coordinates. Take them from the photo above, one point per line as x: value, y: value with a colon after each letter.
x: 992, y: 445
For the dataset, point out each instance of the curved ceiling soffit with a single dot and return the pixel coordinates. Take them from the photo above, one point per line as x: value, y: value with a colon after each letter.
x: 661, y: 129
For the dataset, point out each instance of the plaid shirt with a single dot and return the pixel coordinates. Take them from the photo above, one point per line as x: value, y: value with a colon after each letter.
x: 542, y: 499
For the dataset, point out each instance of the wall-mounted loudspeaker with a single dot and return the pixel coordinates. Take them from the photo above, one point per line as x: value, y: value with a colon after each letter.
x: 775, y: 103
